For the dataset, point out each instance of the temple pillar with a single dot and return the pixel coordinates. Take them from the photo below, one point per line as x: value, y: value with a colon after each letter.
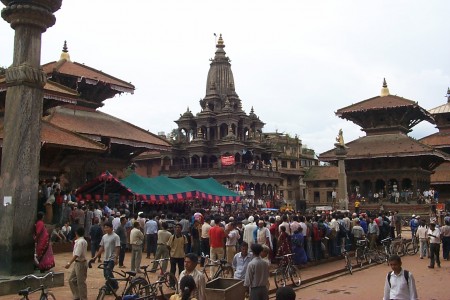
x: 22, y: 131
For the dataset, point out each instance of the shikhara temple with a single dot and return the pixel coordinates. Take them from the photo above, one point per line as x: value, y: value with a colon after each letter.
x: 386, y: 159
x: 223, y: 141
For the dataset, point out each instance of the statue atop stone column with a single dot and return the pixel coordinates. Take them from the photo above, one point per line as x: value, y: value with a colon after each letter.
x: 340, y: 140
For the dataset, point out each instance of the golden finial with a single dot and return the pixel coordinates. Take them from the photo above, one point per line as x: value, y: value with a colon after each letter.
x: 65, y: 53
x: 384, y: 89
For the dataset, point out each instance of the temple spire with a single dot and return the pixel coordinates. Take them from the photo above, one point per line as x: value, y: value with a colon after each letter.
x: 384, y: 89
x: 65, y: 53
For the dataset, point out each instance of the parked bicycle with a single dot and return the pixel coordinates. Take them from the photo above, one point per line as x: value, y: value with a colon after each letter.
x: 110, y: 288
x: 412, y: 247
x: 364, y: 254
x: 347, y: 260
x: 149, y: 292
x: 45, y: 293
x: 224, y: 270
x: 165, y: 278
x: 387, y: 251
x: 398, y: 246
x: 286, y: 270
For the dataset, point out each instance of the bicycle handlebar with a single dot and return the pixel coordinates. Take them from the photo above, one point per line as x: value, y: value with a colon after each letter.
x: 38, y: 277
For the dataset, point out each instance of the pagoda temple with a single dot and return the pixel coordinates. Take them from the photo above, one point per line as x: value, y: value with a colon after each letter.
x: 386, y: 159
x: 440, y: 179
x: 79, y: 142
x: 222, y: 141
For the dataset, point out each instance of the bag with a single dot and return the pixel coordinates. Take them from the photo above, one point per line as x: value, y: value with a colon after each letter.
x: 343, y: 233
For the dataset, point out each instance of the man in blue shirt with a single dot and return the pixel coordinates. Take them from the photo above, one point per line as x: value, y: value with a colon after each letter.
x: 240, y: 262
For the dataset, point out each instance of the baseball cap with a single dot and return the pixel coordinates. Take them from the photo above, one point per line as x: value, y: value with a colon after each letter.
x: 251, y: 219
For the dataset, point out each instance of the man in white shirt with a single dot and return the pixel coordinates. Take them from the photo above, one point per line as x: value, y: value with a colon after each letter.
x: 286, y: 225
x: 204, y: 241
x: 151, y: 236
x: 422, y: 234
x: 231, y: 243
x: 399, y: 284
x: 190, y: 264
x: 434, y: 235
x: 248, y: 231
x: 116, y: 221
x: 77, y: 279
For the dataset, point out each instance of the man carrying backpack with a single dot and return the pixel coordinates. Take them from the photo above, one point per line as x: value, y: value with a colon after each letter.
x: 399, y: 283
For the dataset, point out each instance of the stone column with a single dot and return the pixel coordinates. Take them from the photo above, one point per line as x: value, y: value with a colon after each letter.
x: 22, y: 130
x: 342, y: 195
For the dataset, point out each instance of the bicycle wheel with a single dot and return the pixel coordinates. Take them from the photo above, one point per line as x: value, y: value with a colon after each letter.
x: 411, y: 249
x: 226, y: 272
x: 359, y: 257
x: 294, y: 274
x: 280, y: 278
x: 348, y: 264
x: 138, y: 286
x: 379, y: 257
x: 101, y: 293
x: 171, y: 281
x: 48, y: 296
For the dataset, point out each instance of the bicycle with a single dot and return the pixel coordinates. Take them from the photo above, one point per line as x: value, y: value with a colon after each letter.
x: 387, y: 247
x: 363, y: 252
x: 398, y: 246
x: 110, y: 285
x: 45, y: 293
x: 224, y: 270
x: 285, y: 270
x: 412, y: 247
x: 347, y: 259
x: 166, y: 278
x: 150, y: 292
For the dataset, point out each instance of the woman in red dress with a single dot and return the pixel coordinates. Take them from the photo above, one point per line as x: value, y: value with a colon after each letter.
x: 284, y: 245
x: 44, y: 254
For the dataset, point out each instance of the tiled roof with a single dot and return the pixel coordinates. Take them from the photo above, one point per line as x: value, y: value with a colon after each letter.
x: 438, y: 139
x: 96, y: 124
x: 377, y: 102
x: 82, y: 71
x: 441, y: 174
x: 322, y: 173
x: 385, y: 145
x: 52, y: 135
x: 445, y: 108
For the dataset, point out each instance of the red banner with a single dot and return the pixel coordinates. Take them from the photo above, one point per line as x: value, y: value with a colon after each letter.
x: 227, y: 160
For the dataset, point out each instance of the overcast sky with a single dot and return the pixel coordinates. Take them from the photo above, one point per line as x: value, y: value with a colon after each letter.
x: 295, y: 62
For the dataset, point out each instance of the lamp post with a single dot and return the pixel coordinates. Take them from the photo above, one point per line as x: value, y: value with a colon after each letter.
x: 22, y: 131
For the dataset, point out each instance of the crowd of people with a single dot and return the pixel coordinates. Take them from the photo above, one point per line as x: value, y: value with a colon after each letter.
x: 244, y: 238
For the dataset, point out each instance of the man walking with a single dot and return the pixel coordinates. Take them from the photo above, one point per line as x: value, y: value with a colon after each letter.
x: 177, y: 242
x: 400, y: 283
x: 257, y: 275
x: 77, y: 279
x: 110, y: 244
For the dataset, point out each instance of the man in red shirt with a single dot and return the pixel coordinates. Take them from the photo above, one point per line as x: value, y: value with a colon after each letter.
x: 217, y: 237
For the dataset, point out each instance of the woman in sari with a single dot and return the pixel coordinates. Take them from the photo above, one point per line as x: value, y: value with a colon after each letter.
x: 283, y: 243
x: 44, y: 255
x: 298, y: 242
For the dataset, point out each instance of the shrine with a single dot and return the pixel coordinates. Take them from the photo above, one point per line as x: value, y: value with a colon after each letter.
x: 386, y: 160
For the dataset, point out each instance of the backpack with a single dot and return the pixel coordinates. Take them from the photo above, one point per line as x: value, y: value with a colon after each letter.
x: 343, y: 233
x: 405, y: 273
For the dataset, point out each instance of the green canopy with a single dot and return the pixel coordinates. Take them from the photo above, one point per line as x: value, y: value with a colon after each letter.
x: 164, y: 188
